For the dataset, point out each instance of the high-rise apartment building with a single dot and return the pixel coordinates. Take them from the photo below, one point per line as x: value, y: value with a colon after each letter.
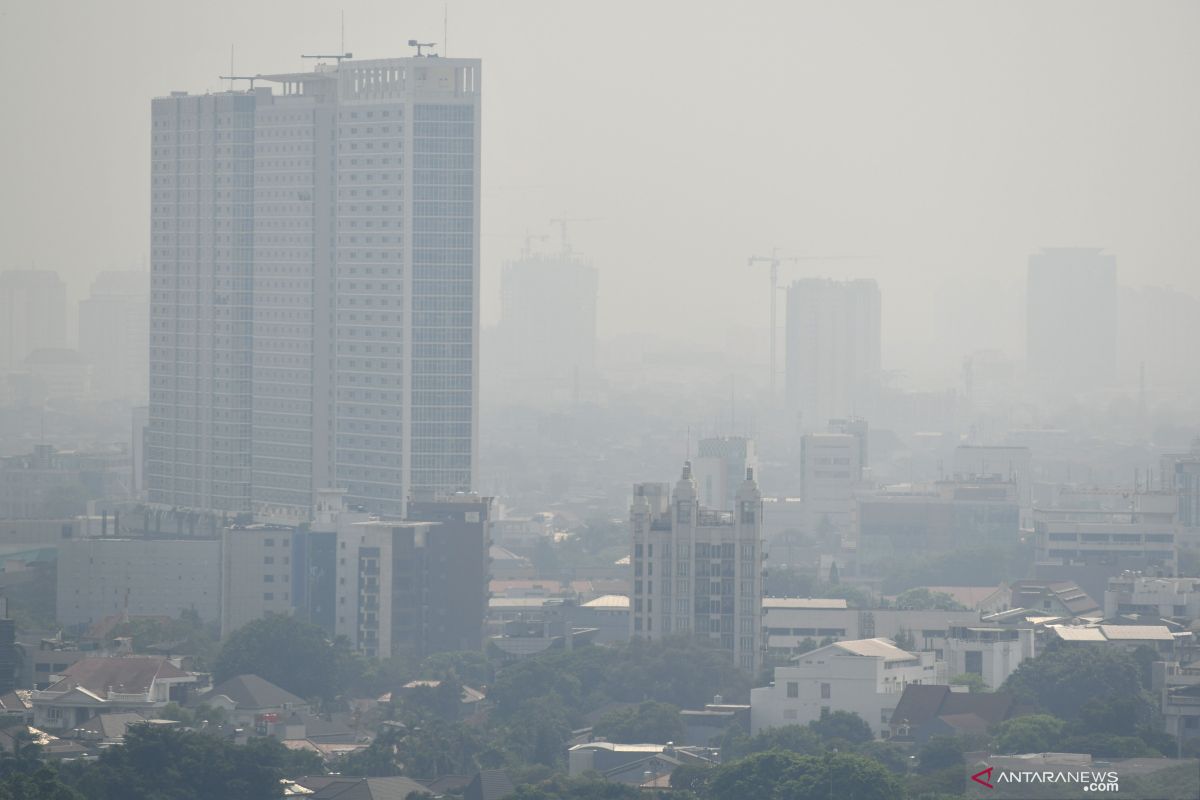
x: 33, y: 315
x: 833, y: 349
x: 696, y: 569
x: 1071, y: 341
x: 114, y: 329
x: 545, y: 344
x: 315, y: 271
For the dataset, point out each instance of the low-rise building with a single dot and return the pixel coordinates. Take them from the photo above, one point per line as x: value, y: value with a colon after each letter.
x: 92, y: 686
x: 99, y: 577
x: 630, y: 763
x: 248, y: 698
x: 864, y: 676
x: 789, y: 621
x: 1167, y: 598
x: 991, y: 652
x: 1159, y: 638
x: 925, y: 711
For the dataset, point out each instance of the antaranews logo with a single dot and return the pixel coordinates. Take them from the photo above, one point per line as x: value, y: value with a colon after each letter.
x: 1086, y: 780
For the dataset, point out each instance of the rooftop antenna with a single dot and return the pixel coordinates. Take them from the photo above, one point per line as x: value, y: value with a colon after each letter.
x: 420, y: 47
x: 334, y: 56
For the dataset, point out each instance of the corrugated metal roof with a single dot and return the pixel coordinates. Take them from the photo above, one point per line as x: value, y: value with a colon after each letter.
x: 1074, y: 634
x: 1158, y: 633
x: 608, y: 601
x: 804, y: 602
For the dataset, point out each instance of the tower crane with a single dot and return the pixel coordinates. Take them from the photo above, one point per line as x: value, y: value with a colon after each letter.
x: 774, y: 260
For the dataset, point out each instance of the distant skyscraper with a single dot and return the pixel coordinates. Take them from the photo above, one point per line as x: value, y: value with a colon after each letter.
x: 833, y: 349
x: 720, y: 469
x: 1071, y: 318
x: 114, y: 332
x: 33, y: 315
x: 546, y: 338
x: 315, y: 289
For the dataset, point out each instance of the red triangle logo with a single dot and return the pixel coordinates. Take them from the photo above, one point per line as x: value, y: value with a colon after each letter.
x: 985, y: 781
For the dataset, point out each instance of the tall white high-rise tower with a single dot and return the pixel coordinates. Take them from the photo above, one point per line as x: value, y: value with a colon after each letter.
x: 315, y: 304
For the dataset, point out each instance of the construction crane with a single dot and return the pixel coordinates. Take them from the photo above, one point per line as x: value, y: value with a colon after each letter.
x: 232, y: 78
x: 775, y: 260
x: 335, y: 56
x: 530, y: 238
x: 562, y: 230
x: 420, y: 45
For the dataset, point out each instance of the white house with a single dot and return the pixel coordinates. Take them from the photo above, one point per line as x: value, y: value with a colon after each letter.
x: 991, y: 652
x: 863, y: 676
x: 92, y: 686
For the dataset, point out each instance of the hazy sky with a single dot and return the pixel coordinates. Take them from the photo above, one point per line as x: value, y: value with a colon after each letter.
x: 949, y: 139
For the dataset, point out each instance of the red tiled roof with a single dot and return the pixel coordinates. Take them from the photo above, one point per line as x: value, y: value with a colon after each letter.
x: 131, y: 675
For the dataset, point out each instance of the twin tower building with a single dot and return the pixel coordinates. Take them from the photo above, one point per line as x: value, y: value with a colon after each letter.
x: 315, y: 289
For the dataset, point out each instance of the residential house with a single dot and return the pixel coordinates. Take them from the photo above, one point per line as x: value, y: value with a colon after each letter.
x: 991, y: 652
x: 925, y: 711
x: 864, y: 676
x: 250, y: 699
x: 101, y: 685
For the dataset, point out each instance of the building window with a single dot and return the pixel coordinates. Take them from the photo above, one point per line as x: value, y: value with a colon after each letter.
x: 793, y: 689
x: 268, y: 595
x: 825, y: 691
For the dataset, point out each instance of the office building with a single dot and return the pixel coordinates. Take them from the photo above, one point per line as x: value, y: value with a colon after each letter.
x: 414, y: 587
x: 315, y: 266
x: 1071, y: 318
x: 999, y: 462
x: 833, y: 349
x: 114, y: 335
x: 830, y: 470
x: 720, y: 469
x: 697, y: 569
x: 33, y: 315
x: 545, y: 342
x: 455, y: 571
x: 98, y: 578
x: 933, y: 519
x: 259, y: 568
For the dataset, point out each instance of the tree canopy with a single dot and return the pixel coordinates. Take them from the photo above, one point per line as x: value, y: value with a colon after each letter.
x: 283, y: 650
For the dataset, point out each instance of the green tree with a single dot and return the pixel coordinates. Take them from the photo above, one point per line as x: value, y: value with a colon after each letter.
x: 905, y: 640
x: 582, y: 788
x: 922, y: 599
x: 649, y: 721
x: 891, y: 755
x: 776, y: 775
x: 1064, y: 679
x: 1033, y: 733
x: 940, y: 752
x: 159, y: 763
x: 41, y: 785
x: 283, y: 650
x: 799, y: 739
x: 843, y: 725
x: 972, y: 680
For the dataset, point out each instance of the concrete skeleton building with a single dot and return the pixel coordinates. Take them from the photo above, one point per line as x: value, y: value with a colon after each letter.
x: 314, y: 289
x: 697, y: 569
x: 545, y: 341
x: 834, y: 340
